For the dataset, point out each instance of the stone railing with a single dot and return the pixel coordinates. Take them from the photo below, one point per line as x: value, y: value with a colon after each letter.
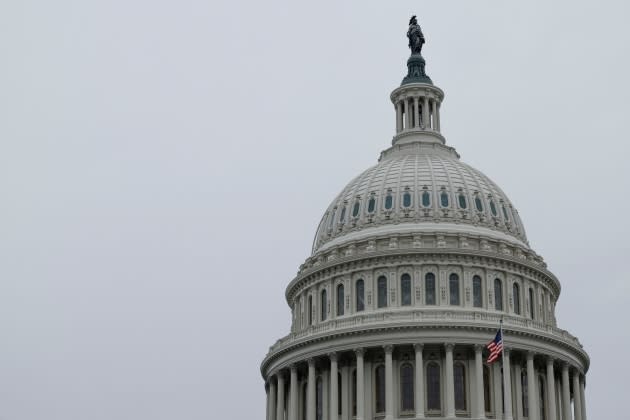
x: 441, y: 317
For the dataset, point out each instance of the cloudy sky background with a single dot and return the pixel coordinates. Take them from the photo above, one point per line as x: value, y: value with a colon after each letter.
x: 164, y: 166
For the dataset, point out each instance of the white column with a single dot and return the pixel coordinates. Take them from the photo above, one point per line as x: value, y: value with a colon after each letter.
x: 334, y: 387
x: 272, y: 399
x: 582, y: 397
x: 280, y: 402
x: 293, y: 394
x: 416, y: 111
x: 419, y: 401
x: 531, y: 388
x: 437, y: 116
x: 577, y: 401
x: 566, y: 393
x: 519, y: 391
x: 325, y: 389
x: 450, y: 382
x: 268, y: 402
x: 345, y: 390
x: 389, y: 383
x: 310, y: 391
x: 434, y: 112
x: 425, y: 114
x: 551, y: 392
x: 359, y: 385
x: 408, y: 113
x: 480, y: 404
x: 559, y: 414
x: 399, y: 114
x: 507, y: 386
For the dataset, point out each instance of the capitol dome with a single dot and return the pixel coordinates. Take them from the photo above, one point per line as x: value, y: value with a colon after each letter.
x: 417, y: 264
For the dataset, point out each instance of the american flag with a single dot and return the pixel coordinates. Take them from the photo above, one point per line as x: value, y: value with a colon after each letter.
x: 495, y: 347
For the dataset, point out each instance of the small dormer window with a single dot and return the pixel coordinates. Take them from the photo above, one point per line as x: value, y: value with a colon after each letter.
x: 478, y: 203
x: 406, y: 199
x: 505, y: 214
x: 444, y: 199
x: 389, y: 202
x: 355, y: 209
x: 371, y: 205
x: 462, y: 201
x: 342, y: 217
x: 332, y: 218
x: 426, y: 199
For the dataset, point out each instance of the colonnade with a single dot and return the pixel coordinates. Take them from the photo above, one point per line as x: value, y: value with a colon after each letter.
x: 555, y: 390
x: 417, y: 112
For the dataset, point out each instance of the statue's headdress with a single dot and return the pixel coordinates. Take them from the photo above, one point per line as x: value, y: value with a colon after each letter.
x: 413, y: 20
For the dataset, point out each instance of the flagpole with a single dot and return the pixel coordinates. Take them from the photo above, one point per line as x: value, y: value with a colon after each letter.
x: 505, y: 386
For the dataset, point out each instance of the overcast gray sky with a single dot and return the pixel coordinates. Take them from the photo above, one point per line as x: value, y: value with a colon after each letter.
x: 164, y: 166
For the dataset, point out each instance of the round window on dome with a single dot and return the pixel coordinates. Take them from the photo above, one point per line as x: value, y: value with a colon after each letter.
x: 444, y: 199
x: 355, y: 209
x: 406, y: 200
x: 389, y: 202
x: 462, y: 201
x: 478, y: 204
x: 426, y: 199
x: 371, y: 205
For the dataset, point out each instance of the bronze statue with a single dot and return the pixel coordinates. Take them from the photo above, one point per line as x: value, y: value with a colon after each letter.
x: 416, y: 39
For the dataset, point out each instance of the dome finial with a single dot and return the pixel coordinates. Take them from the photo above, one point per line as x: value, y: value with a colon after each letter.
x: 416, y: 63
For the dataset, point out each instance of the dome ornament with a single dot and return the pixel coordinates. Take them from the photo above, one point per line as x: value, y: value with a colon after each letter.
x: 416, y: 63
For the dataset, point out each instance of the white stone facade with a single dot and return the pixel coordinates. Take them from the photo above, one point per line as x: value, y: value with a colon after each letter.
x: 414, y: 265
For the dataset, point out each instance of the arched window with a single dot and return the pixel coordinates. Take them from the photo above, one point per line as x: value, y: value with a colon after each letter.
x: 477, y: 292
x: 406, y: 388
x: 405, y: 289
x: 444, y: 199
x: 355, y: 209
x: 324, y: 305
x: 478, y: 203
x: 453, y: 288
x: 340, y: 300
x: 498, y: 295
x: 433, y: 387
x: 487, y: 395
x: 532, y: 312
x: 429, y: 288
x: 542, y: 399
x: 389, y: 201
x: 371, y: 205
x: 382, y: 292
x: 524, y: 393
x: 379, y: 389
x: 462, y: 201
x: 426, y: 199
x: 310, y: 310
x: 406, y: 199
x: 516, y: 294
x: 459, y: 373
x: 353, y: 385
x: 360, y: 295
x: 493, y: 208
x: 319, y: 399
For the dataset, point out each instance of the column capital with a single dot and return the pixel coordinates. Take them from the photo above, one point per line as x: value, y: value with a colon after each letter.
x: 479, y: 347
x: 359, y: 351
x: 293, y: 367
x: 565, y: 365
x: 311, y: 362
x: 388, y: 348
x: 333, y: 356
x: 507, y: 351
x: 449, y: 346
x: 418, y: 347
x: 530, y: 355
x: 550, y: 360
